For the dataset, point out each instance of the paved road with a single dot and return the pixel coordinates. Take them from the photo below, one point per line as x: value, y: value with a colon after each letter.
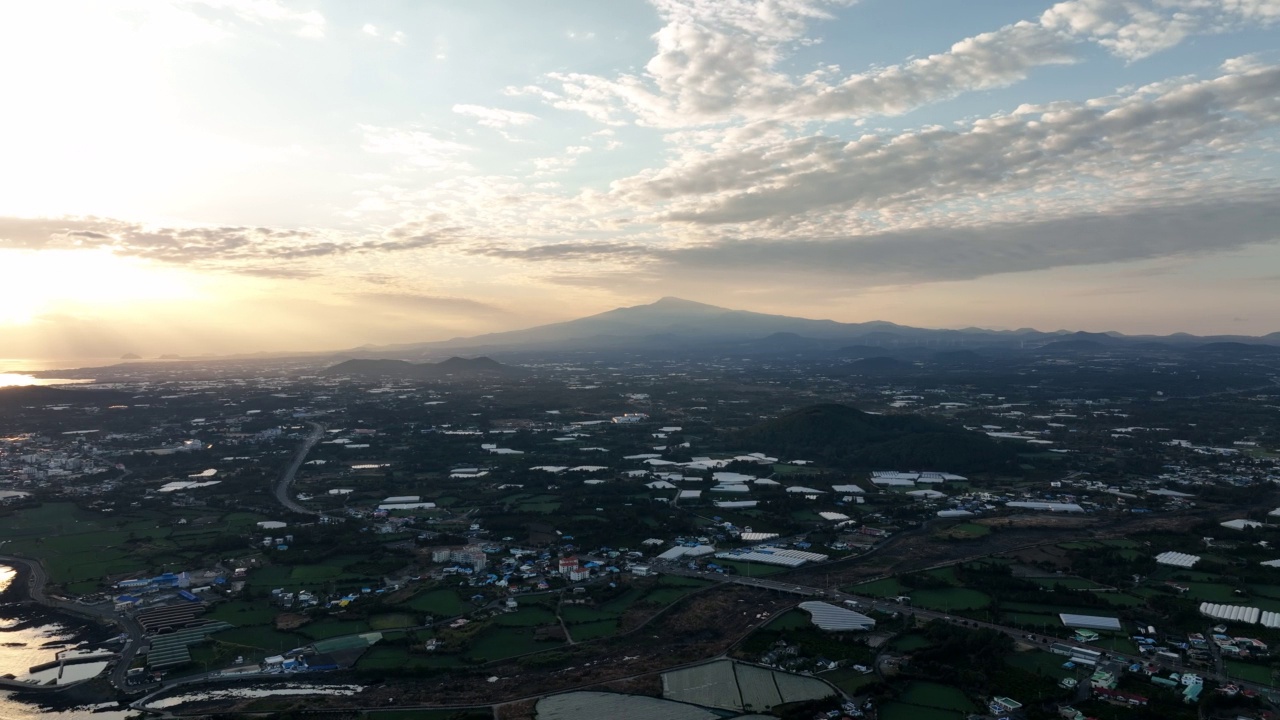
x: 868, y: 603
x: 282, y: 484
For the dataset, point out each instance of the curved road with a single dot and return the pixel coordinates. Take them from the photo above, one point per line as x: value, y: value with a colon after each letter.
x: 281, y: 487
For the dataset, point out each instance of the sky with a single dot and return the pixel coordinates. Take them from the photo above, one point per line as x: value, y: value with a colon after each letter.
x: 226, y: 176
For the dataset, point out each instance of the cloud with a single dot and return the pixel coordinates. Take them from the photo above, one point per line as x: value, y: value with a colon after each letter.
x: 304, y: 23
x: 413, y: 302
x: 267, y: 252
x: 931, y: 254
x: 495, y: 117
x: 415, y: 146
x: 1154, y: 138
x: 717, y: 62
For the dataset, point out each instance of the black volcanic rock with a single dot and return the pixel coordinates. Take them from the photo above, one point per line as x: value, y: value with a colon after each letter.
x: 849, y: 438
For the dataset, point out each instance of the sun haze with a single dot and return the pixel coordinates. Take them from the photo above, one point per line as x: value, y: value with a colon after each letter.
x: 214, y: 176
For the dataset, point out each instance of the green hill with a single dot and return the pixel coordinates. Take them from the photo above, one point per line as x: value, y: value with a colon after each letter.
x: 845, y: 437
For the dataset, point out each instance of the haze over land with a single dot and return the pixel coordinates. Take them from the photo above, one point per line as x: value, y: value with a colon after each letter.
x: 224, y: 176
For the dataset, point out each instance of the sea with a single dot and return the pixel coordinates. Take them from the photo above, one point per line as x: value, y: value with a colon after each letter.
x: 17, y: 371
x: 31, y: 635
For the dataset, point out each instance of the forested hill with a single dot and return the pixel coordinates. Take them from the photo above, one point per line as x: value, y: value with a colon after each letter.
x: 846, y: 437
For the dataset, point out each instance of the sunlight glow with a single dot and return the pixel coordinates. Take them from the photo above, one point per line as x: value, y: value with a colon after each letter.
x: 39, y: 282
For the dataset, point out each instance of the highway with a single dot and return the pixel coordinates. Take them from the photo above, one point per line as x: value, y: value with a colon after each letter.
x: 285, y: 480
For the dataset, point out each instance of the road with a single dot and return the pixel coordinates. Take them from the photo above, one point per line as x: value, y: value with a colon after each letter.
x: 1020, y: 635
x: 282, y: 484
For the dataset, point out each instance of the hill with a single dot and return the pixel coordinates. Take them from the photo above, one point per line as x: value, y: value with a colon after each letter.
x: 848, y: 438
x: 454, y: 367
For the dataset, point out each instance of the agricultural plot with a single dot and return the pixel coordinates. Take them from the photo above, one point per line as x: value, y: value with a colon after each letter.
x: 935, y: 695
x: 1070, y: 583
x: 391, y: 657
x: 326, y: 629
x: 594, y: 705
x: 888, y: 587
x: 440, y: 603
x: 902, y: 711
x: 968, y: 531
x: 1040, y: 663
x: 1260, y: 674
x: 950, y: 599
x: 910, y: 642
x: 526, y: 617
x: 500, y: 643
x: 731, y: 685
x: 593, y: 630
x: 849, y: 680
x: 391, y: 621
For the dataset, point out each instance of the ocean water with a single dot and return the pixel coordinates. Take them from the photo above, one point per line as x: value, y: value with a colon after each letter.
x: 30, y: 365
x: 28, y: 638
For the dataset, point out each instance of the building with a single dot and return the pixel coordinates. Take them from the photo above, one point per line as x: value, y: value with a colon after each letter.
x: 1003, y: 705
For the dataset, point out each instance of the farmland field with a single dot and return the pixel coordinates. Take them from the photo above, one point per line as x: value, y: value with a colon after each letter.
x: 441, y: 603
x: 902, y: 711
x: 950, y: 599
x: 935, y: 695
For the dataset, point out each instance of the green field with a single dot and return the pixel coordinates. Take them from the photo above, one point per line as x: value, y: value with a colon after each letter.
x: 1040, y: 663
x: 1260, y: 674
x: 574, y: 614
x: 751, y: 569
x: 910, y: 642
x: 888, y: 587
x: 967, y: 531
x: 244, y: 612
x: 1212, y: 592
x: 593, y: 630
x: 848, y: 679
x: 325, y: 629
x: 526, y: 617
x: 440, y: 603
x: 902, y: 711
x: 501, y: 643
x: 950, y: 599
x: 935, y: 695
x: 477, y: 714
x: 1070, y: 583
x: 391, y: 621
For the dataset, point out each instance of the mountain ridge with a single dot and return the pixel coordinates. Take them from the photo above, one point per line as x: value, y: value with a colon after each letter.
x: 673, y: 323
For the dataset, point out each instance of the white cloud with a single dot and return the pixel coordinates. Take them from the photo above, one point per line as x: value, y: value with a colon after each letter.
x: 370, y: 30
x: 720, y: 61
x: 304, y: 23
x: 1153, y: 138
x: 415, y: 146
x: 494, y: 117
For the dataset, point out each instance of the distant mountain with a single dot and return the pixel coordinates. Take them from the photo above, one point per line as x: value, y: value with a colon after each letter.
x: 849, y: 438
x: 454, y: 367
x: 677, y: 326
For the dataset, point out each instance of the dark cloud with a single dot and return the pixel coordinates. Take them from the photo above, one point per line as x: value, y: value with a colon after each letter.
x: 943, y: 254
